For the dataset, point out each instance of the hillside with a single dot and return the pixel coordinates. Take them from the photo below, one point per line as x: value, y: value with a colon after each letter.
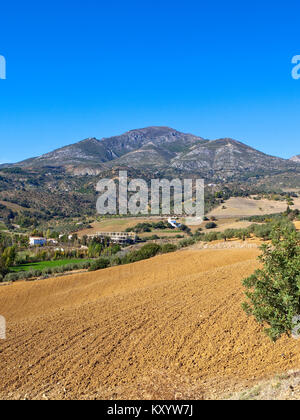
x: 170, y: 327
x: 296, y: 159
x: 166, y: 150
x: 92, y: 152
x: 62, y: 183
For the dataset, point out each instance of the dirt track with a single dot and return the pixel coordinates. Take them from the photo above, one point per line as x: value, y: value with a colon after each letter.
x: 170, y: 327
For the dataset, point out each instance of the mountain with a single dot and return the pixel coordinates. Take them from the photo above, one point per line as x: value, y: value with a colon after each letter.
x: 165, y: 143
x: 61, y: 184
x: 165, y: 150
x: 295, y: 159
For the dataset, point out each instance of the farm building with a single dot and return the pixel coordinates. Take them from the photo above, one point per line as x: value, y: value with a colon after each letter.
x: 34, y: 241
x: 116, y: 237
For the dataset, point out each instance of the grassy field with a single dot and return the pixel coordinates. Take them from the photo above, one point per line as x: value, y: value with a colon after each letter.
x: 44, y: 264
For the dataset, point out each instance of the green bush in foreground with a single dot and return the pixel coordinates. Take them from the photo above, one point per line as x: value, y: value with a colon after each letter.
x: 273, y: 292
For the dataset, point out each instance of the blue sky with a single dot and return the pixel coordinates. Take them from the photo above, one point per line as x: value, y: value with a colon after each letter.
x: 77, y: 69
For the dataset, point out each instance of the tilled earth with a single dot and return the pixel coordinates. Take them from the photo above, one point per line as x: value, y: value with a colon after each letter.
x: 166, y: 328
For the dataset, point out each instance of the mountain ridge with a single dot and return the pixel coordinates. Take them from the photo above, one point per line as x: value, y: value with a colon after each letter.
x: 296, y: 159
x: 162, y: 149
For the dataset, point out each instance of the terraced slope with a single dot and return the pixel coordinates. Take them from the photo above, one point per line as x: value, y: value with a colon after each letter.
x: 169, y: 327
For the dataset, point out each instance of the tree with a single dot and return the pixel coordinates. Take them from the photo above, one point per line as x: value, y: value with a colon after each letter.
x: 7, y: 258
x: 273, y: 292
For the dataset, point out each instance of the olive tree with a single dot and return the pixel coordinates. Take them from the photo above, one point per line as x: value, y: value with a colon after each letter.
x: 273, y: 292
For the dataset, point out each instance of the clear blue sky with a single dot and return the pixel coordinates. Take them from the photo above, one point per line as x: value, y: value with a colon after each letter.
x: 78, y: 69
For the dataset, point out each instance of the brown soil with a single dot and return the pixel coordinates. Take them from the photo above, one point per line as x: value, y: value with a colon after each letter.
x: 242, y: 207
x: 170, y: 327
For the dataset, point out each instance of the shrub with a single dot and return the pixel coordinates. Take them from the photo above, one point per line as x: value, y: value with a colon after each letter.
x: 131, y: 257
x: 11, y: 277
x: 99, y: 264
x: 37, y: 273
x: 211, y: 225
x: 168, y: 248
x: 85, y: 265
x: 210, y: 237
x: 116, y: 261
x: 185, y: 229
x: 186, y: 242
x: 151, y: 238
x: 149, y: 251
x: 143, y: 227
x: 115, y: 249
x: 27, y: 275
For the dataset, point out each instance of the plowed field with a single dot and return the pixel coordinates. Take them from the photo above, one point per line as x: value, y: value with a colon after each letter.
x: 169, y: 327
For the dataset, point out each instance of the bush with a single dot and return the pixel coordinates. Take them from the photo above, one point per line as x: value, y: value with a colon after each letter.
x: 37, y: 273
x: 85, y: 265
x: 273, y: 291
x: 151, y: 238
x: 211, y: 225
x: 99, y: 264
x: 185, y: 229
x: 116, y: 261
x: 186, y: 242
x: 131, y: 257
x: 165, y: 249
x: 210, y: 237
x: 27, y: 275
x: 11, y: 277
x: 149, y: 251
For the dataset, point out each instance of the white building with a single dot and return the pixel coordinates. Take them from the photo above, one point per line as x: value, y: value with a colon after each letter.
x: 52, y: 242
x: 34, y: 241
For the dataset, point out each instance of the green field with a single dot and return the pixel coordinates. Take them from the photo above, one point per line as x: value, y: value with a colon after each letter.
x: 45, y: 264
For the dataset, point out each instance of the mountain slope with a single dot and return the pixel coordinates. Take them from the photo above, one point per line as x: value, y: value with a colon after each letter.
x: 227, y: 157
x: 93, y: 151
x: 295, y: 159
x: 165, y: 150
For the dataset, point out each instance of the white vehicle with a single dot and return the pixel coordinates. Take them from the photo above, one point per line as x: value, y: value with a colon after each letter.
x: 174, y: 223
